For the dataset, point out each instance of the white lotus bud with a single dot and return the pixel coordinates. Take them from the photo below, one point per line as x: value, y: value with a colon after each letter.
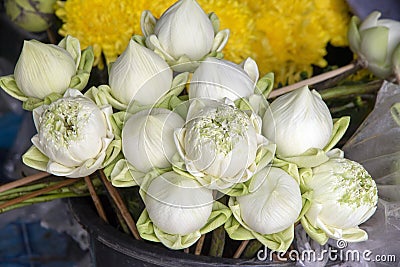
x: 374, y: 40
x: 298, y: 121
x: 185, y: 29
x: 43, y: 69
x: 344, y: 196
x: 148, y: 138
x: 73, y: 133
x: 219, y: 79
x: 218, y: 141
x: 178, y: 205
x: 139, y: 74
x: 274, y: 203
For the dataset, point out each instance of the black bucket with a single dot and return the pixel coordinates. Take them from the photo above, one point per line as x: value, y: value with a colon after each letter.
x: 111, y: 247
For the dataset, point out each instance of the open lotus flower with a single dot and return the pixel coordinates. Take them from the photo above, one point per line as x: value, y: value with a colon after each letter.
x: 177, y: 204
x: 343, y: 196
x: 218, y: 79
x: 219, y: 143
x: 183, y: 34
x: 45, y: 70
x: 376, y: 41
x: 148, y: 138
x: 72, y: 136
x: 298, y: 121
x: 139, y: 75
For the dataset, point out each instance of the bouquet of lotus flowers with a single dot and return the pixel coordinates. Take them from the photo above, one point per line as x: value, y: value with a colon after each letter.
x: 198, y: 135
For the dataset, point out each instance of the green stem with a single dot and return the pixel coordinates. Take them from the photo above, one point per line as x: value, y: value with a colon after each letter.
x: 350, y: 90
x: 217, y: 242
x: 252, y: 248
x: 40, y: 199
x: 78, y: 188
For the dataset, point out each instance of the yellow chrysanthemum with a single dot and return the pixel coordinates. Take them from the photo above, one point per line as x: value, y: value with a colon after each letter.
x: 294, y: 34
x: 283, y: 36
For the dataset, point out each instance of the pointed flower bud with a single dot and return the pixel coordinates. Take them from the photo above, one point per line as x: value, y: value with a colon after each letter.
x: 148, y: 138
x: 43, y: 69
x: 185, y: 29
x: 139, y: 74
x: 298, y: 121
x: 218, y: 79
x: 183, y: 34
x: 374, y: 40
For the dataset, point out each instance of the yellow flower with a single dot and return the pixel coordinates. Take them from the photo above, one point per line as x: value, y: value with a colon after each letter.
x: 286, y: 37
x: 294, y: 34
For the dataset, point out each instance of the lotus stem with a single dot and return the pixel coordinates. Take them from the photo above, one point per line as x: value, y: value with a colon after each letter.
x: 350, y: 90
x: 23, y: 181
x: 240, y: 249
x: 95, y: 198
x: 120, y: 205
x: 17, y: 200
x: 350, y: 68
x: 217, y: 242
x: 199, y: 245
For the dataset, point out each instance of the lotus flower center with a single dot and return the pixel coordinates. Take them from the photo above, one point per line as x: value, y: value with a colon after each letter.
x: 357, y: 185
x: 223, y: 126
x: 61, y: 121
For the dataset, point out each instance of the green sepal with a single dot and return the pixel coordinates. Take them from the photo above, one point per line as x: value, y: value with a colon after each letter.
x: 214, y: 21
x: 81, y: 78
x: 395, y: 111
x: 147, y: 230
x: 112, y: 152
x: 9, y: 85
x: 73, y: 47
x: 35, y: 159
x: 353, y: 34
x: 311, y: 158
x: 102, y: 96
x: 124, y: 174
x: 147, y: 23
x: 315, y: 233
x: 339, y: 129
x: 31, y: 103
x: 265, y: 85
x: 171, y: 100
x: 117, y: 121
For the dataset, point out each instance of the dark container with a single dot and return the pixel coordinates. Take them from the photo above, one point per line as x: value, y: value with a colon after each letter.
x: 111, y: 247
